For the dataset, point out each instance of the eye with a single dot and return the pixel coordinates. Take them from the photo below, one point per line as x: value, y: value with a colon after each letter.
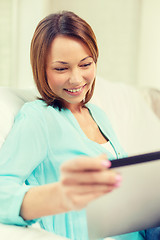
x: 86, y: 65
x: 60, y: 69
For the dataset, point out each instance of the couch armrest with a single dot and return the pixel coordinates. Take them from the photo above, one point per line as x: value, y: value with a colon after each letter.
x: 26, y: 233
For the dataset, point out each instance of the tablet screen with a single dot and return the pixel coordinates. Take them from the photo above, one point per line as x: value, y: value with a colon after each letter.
x: 135, y: 205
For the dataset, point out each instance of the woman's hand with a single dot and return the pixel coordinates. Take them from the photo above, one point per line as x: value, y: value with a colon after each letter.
x: 82, y: 180
x: 85, y: 179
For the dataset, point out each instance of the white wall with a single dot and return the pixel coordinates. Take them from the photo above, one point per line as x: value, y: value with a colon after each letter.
x: 5, y: 36
x: 29, y: 13
x: 127, y: 32
x: 116, y: 24
x: 149, y: 50
x: 18, y: 20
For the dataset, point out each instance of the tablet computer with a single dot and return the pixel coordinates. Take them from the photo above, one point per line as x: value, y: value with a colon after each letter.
x: 135, y: 205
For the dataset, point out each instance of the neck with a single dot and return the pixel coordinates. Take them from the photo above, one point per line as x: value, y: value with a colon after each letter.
x: 75, y: 108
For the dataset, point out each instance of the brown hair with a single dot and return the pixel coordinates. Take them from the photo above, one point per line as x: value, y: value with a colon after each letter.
x: 64, y: 23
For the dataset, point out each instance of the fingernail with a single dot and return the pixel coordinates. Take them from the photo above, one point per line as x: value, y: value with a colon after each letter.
x: 118, y: 184
x: 106, y: 163
x: 118, y: 178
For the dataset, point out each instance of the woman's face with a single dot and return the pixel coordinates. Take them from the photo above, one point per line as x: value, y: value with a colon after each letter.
x: 70, y: 70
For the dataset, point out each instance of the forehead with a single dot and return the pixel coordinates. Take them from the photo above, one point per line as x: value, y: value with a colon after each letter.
x: 67, y: 48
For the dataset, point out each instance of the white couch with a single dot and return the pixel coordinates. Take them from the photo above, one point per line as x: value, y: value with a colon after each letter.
x: 135, y: 116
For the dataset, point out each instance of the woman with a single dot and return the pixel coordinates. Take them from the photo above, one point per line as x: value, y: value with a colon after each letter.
x: 60, y: 144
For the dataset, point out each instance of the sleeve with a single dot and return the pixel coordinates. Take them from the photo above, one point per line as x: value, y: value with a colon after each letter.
x: 24, y: 149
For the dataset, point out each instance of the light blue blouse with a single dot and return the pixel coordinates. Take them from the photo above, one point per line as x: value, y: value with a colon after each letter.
x: 41, y: 139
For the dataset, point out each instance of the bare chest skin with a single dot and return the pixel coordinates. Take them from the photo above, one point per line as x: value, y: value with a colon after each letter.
x: 89, y: 126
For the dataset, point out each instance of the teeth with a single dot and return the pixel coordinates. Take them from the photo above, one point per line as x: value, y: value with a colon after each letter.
x: 74, y: 90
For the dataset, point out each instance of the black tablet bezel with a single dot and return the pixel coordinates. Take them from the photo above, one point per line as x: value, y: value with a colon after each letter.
x: 142, y: 158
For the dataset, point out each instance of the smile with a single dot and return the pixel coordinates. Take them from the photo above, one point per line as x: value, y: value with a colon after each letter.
x: 74, y: 90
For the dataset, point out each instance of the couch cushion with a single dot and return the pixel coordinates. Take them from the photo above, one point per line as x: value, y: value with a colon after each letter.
x: 135, y: 123
x: 26, y: 233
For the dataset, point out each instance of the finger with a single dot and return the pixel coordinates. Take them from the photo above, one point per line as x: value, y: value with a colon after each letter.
x: 107, y: 177
x: 86, y: 164
x: 88, y: 189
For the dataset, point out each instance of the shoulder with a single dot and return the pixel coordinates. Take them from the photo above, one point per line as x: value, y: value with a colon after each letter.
x: 39, y: 113
x: 31, y: 115
x: 36, y: 109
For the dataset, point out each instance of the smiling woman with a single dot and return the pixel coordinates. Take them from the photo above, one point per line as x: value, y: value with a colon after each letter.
x: 56, y: 146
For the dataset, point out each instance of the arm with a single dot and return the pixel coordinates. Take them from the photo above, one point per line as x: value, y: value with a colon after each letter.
x: 24, y: 149
x: 82, y: 180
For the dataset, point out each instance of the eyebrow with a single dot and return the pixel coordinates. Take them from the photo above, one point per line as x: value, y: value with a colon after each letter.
x: 67, y: 63
x: 85, y: 58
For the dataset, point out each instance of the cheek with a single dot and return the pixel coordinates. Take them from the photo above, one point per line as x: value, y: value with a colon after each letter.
x: 55, y: 80
x: 90, y: 74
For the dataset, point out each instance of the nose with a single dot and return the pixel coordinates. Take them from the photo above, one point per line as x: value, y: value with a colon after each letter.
x: 75, y: 77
